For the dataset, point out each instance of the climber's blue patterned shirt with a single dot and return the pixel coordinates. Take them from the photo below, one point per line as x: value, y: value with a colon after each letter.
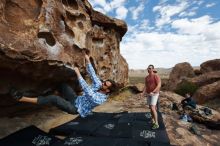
x: 91, y: 97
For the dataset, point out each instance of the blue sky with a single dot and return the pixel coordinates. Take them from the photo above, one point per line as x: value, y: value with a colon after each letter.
x: 166, y: 32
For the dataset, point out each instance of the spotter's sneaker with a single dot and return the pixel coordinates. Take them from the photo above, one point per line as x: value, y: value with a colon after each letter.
x: 155, y: 126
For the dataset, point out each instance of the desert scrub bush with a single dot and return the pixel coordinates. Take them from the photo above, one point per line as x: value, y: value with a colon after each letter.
x: 186, y: 87
x: 121, y: 95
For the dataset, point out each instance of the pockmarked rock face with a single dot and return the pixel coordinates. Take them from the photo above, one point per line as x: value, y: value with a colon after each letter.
x: 38, y: 37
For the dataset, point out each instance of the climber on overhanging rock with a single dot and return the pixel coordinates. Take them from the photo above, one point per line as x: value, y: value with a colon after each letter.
x: 92, y: 95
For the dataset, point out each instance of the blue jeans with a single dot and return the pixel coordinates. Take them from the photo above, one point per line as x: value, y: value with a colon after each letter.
x: 67, y: 103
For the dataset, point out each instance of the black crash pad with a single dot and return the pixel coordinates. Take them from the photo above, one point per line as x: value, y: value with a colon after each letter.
x: 29, y: 136
x: 146, y: 116
x: 146, y: 125
x: 127, y: 118
x: 159, y: 144
x: 114, y: 129
x: 97, y: 141
x: 76, y: 126
x: 86, y: 141
x: 150, y: 135
x: 143, y: 121
x: 86, y: 126
x: 128, y: 126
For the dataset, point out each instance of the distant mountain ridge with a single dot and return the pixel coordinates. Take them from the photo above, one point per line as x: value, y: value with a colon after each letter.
x: 143, y: 72
x: 163, y: 72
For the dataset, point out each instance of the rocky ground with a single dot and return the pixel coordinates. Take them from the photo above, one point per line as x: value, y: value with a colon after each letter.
x: 178, y: 131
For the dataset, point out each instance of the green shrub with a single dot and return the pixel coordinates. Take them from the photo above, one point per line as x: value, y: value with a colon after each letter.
x: 186, y: 87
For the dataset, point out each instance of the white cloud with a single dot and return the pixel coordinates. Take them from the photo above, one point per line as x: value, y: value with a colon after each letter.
x: 100, y: 5
x: 193, y: 26
x: 166, y: 50
x: 135, y: 11
x: 100, y: 10
x: 163, y: 1
x: 199, y: 2
x: 105, y: 7
x: 98, y: 2
x: 117, y: 3
x: 121, y: 12
x: 188, y: 13
x: 210, y: 5
x: 184, y: 14
x: 197, y: 40
x: 167, y: 11
x: 144, y: 25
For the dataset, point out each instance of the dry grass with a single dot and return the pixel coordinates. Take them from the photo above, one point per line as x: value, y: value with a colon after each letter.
x: 136, y: 80
x: 122, y: 95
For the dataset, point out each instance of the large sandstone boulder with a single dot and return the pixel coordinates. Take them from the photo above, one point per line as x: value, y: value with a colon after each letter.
x: 207, y: 92
x: 38, y: 37
x: 211, y: 65
x: 179, y: 72
x: 206, y: 78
